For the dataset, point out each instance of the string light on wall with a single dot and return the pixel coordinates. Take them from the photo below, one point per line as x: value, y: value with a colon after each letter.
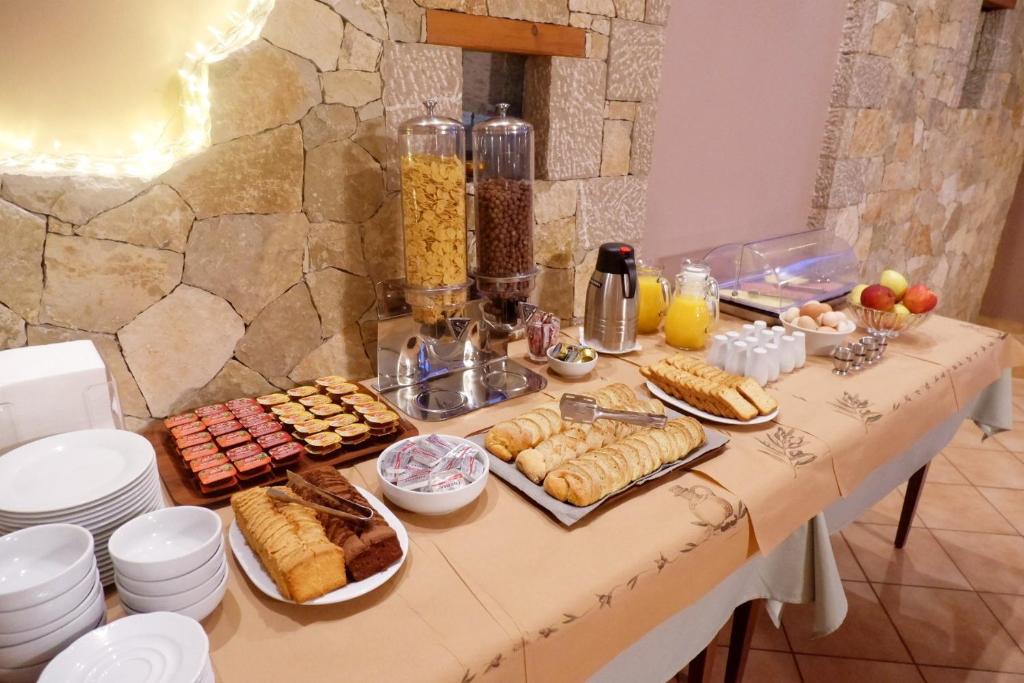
x: 151, y: 154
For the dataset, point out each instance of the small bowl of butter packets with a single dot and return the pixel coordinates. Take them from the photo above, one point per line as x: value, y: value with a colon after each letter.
x: 433, y: 474
x: 572, y: 360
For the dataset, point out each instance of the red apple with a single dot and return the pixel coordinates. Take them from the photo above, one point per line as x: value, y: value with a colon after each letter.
x: 878, y: 297
x: 920, y: 299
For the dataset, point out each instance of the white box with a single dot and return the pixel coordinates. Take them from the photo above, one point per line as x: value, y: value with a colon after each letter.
x: 54, y: 388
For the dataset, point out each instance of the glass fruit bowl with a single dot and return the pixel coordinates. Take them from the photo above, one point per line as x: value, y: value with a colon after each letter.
x: 886, y: 323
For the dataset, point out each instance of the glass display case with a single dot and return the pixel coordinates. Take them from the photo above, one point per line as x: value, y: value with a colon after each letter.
x: 762, y: 279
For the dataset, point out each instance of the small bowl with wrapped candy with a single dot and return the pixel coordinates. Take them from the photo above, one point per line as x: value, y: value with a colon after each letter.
x: 824, y: 328
x: 433, y: 474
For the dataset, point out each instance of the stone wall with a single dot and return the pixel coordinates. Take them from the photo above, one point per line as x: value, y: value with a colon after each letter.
x: 251, y: 265
x: 924, y: 141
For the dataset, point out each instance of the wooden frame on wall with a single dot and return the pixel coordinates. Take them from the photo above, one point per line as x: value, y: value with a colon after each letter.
x: 491, y: 34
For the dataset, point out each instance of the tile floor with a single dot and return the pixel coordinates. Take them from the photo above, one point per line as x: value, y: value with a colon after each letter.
x: 948, y: 608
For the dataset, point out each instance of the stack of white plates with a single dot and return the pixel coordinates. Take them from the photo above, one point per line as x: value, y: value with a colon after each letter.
x: 95, y: 478
x: 171, y: 560
x: 50, y: 594
x: 146, y: 648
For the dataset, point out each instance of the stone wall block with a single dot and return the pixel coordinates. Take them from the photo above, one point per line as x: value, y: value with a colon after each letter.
x: 307, y: 28
x: 343, y: 354
x: 555, y: 243
x: 99, y: 285
x: 605, y: 7
x: 366, y: 15
x: 546, y: 11
x: 72, y: 199
x: 248, y: 260
x: 611, y: 209
x: 565, y: 101
x: 336, y: 245
x: 343, y: 183
x: 259, y: 87
x: 615, y: 148
x: 359, y: 51
x: 554, y: 291
x: 160, y: 346
x: 383, y: 243
x: 352, y: 88
x: 156, y: 218
x: 327, y: 123
x: 642, y: 150
x: 847, y: 182
x: 255, y: 174
x: 630, y: 9
x: 870, y: 81
x: 340, y: 298
x: 21, y: 260
x: 405, y: 20
x: 233, y: 380
x: 281, y: 336
x: 634, y: 61
x: 858, y: 25
x: 657, y: 11
x: 132, y: 401
x: 586, y: 261
x: 554, y: 199
x: 12, y: 329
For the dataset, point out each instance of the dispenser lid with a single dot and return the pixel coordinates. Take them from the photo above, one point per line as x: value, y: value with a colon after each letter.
x: 502, y: 124
x: 615, y: 257
x: 429, y: 124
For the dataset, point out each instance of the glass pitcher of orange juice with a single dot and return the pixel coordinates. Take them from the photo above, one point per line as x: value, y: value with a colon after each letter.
x: 653, y: 293
x: 694, y: 307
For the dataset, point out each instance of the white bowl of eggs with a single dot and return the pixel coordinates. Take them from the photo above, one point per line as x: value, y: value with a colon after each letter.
x: 824, y: 328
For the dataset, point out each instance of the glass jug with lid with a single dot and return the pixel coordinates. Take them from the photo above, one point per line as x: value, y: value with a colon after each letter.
x: 653, y: 293
x: 693, y: 309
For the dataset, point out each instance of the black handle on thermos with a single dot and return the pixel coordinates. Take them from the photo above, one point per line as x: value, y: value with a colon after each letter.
x: 629, y: 282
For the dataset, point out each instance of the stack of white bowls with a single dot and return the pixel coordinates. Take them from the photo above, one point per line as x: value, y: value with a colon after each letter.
x: 50, y: 594
x: 147, y: 648
x: 95, y: 478
x: 171, y: 560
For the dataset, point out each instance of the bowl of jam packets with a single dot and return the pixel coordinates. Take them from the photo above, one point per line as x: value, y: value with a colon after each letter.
x: 433, y: 474
x: 572, y: 360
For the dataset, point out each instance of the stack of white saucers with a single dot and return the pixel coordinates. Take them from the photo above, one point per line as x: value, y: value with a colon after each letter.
x: 50, y: 594
x: 95, y: 478
x: 171, y: 560
x: 145, y: 648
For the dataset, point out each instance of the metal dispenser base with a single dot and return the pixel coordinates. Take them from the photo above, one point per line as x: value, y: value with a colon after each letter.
x: 434, y: 372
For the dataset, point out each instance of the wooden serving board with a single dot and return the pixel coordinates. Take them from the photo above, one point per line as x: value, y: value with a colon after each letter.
x: 184, y: 490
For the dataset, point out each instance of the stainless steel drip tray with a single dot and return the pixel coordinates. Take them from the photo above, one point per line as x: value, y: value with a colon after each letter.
x: 458, y: 393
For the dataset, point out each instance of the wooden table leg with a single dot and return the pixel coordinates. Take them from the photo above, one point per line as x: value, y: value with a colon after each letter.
x: 699, y: 668
x: 744, y: 618
x: 914, y: 487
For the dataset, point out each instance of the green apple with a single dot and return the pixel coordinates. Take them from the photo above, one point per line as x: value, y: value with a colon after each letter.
x: 901, y: 312
x: 894, y: 281
x: 854, y: 296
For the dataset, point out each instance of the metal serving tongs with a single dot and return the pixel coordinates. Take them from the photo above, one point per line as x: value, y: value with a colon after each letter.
x: 282, y: 494
x: 579, y: 408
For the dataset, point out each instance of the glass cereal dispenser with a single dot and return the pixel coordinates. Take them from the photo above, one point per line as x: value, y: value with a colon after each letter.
x: 503, y: 189
x: 432, y: 150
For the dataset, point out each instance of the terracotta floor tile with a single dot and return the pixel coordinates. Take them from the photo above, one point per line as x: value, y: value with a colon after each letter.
x: 1013, y: 439
x: 840, y: 670
x: 1010, y: 502
x: 934, y: 674
x: 849, y: 570
x: 921, y: 562
x: 762, y: 667
x: 991, y: 562
x: 887, y: 511
x: 766, y: 636
x: 988, y: 468
x: 1009, y: 610
x: 866, y: 633
x: 961, y: 508
x: 950, y: 628
x: 969, y: 436
x: 941, y: 471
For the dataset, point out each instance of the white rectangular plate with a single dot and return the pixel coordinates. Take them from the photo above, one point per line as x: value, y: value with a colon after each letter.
x: 250, y: 563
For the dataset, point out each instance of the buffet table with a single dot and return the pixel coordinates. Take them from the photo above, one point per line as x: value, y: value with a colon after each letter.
x: 501, y: 591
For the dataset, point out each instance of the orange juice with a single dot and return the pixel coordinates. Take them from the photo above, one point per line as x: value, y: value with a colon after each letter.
x: 688, y: 322
x: 651, y: 303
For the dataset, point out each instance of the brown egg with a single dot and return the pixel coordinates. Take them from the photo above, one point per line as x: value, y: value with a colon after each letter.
x: 813, y: 309
x: 806, y: 322
x: 826, y: 328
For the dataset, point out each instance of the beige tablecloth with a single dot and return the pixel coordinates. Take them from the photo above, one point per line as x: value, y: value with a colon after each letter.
x: 500, y: 591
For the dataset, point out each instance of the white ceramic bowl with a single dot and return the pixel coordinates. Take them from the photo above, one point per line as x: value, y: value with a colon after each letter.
x: 440, y: 502
x: 199, y: 610
x: 19, y: 637
x: 47, y: 647
x: 42, y: 562
x: 179, y: 584
x: 165, y: 543
x: 14, y: 621
x: 822, y: 343
x: 570, y: 369
x: 172, y: 603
